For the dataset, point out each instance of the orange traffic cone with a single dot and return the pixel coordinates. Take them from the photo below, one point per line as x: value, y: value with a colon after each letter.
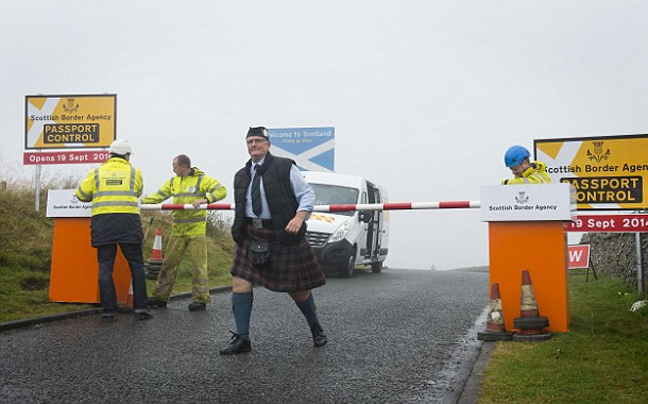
x: 129, y: 296
x: 156, y: 254
x: 154, y: 263
x: 127, y: 306
x: 530, y: 323
x: 495, y: 329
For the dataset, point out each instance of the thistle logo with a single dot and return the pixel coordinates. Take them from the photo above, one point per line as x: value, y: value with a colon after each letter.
x: 598, y: 154
x: 70, y: 107
x: 521, y: 199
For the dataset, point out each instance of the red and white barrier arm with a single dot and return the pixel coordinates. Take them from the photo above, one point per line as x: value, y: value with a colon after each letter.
x: 398, y: 206
x: 336, y: 208
x: 179, y: 206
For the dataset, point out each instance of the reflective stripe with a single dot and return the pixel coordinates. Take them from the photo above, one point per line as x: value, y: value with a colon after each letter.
x: 116, y: 193
x: 186, y: 194
x: 190, y: 220
x: 211, y: 192
x: 201, y: 281
x: 215, y: 188
x: 132, y: 181
x: 96, y: 176
x: 114, y: 203
x: 162, y: 194
x: 200, y: 177
x: 83, y: 194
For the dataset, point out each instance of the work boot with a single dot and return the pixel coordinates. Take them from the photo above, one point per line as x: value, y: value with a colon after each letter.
x: 197, y: 306
x: 237, y: 346
x: 156, y: 304
x: 107, y: 317
x: 319, y: 339
x: 144, y: 315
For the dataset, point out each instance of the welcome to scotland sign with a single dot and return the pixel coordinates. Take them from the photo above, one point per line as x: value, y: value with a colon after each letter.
x: 528, y: 202
x: 312, y: 149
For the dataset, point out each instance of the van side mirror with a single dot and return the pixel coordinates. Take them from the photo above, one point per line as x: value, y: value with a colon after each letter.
x: 365, y: 216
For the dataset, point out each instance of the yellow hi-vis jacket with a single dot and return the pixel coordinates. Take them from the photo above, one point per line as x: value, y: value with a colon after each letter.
x: 536, y: 174
x: 197, y: 185
x: 114, y: 187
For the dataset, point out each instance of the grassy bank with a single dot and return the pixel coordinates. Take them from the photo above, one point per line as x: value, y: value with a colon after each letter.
x: 25, y: 256
x: 602, y: 359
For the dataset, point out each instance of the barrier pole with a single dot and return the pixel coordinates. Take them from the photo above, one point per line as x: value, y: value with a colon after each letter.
x: 333, y: 208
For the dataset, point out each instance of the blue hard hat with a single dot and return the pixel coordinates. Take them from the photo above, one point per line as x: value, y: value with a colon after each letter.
x: 514, y: 155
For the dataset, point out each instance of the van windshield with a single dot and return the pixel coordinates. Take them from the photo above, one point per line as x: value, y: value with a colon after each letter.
x: 335, y: 195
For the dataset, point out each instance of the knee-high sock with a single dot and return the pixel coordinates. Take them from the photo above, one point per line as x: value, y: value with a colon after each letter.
x: 309, y: 310
x: 242, y: 306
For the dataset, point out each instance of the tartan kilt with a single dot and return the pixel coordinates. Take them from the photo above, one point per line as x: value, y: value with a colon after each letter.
x: 291, y: 268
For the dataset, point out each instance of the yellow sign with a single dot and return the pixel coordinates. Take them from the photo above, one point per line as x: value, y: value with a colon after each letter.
x: 69, y: 121
x: 609, y: 173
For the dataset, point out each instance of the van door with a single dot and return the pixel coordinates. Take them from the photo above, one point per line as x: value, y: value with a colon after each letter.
x: 363, y: 236
x: 374, y: 228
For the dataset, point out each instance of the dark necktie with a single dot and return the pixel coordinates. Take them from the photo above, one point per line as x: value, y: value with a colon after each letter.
x: 256, y: 191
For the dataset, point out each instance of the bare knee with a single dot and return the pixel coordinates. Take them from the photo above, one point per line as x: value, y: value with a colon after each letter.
x: 240, y: 285
x: 300, y: 295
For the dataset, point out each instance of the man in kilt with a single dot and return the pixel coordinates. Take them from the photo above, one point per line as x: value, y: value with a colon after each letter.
x: 273, y: 208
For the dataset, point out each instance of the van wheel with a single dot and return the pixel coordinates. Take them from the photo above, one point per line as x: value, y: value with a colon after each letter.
x: 347, y: 271
x: 376, y: 267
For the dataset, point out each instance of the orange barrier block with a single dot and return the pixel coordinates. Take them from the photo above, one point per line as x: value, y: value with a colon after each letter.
x: 74, y: 275
x: 541, y: 248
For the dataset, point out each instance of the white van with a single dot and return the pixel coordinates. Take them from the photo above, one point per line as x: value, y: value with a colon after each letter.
x: 342, y: 240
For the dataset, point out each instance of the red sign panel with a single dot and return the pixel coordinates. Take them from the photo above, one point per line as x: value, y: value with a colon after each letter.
x: 66, y: 157
x: 609, y: 224
x: 579, y: 256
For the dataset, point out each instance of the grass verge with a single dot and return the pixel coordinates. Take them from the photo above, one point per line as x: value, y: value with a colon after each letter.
x: 25, y: 257
x: 602, y: 359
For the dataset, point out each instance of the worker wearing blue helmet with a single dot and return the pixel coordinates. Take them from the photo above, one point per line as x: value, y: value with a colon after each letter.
x: 517, y: 158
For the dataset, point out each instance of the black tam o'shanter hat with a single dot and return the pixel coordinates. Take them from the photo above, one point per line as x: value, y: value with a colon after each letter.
x: 258, y: 131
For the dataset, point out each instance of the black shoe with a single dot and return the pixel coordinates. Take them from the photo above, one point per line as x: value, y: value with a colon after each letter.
x: 156, y: 304
x: 145, y: 315
x: 108, y: 317
x: 237, y: 346
x: 198, y: 307
x: 319, y: 339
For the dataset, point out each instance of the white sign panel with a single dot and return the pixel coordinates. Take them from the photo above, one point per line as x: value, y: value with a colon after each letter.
x: 63, y: 203
x: 505, y: 203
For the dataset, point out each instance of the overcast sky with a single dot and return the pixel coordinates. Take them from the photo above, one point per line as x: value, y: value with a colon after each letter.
x: 424, y: 96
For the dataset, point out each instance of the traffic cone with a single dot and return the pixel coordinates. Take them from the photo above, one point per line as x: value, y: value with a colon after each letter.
x: 495, y: 328
x: 530, y: 323
x: 154, y: 263
x: 129, y: 296
x: 127, y: 307
x: 156, y: 254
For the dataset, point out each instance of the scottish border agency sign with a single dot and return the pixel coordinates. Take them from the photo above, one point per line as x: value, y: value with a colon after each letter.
x: 609, y: 173
x: 69, y: 121
x: 528, y: 202
x: 312, y: 148
x: 63, y: 203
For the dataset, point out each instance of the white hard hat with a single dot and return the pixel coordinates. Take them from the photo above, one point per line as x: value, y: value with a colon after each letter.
x: 121, y: 147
